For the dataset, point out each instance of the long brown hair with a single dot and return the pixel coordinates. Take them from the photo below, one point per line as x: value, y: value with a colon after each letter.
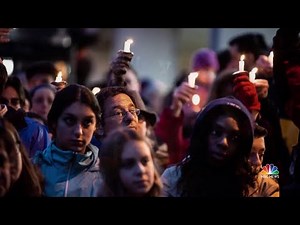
x: 29, y: 183
x: 110, y: 161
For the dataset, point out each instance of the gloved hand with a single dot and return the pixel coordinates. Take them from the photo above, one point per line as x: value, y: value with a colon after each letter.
x: 245, y: 91
x: 120, y: 64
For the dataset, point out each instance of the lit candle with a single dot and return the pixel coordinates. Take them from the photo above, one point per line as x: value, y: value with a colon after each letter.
x: 252, y: 74
x: 59, y: 77
x: 241, y: 63
x: 196, y: 99
x: 96, y: 90
x: 59, y: 83
x: 271, y: 56
x: 127, y: 45
x: 191, y: 79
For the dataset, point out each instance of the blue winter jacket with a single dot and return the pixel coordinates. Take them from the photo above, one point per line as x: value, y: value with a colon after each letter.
x: 69, y: 174
x: 34, y: 136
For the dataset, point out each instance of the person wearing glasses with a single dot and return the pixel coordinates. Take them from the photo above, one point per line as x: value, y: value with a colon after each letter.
x: 70, y: 164
x: 119, y: 109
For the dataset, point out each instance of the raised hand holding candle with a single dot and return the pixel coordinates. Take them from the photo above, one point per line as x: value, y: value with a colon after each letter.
x: 271, y: 56
x: 59, y: 83
x: 252, y: 74
x: 191, y: 79
x: 241, y: 63
x: 127, y: 45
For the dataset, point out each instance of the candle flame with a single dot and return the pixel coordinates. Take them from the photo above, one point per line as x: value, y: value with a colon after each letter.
x: 127, y: 45
x: 59, y: 77
x: 252, y: 74
x: 271, y: 54
x: 242, y: 57
x: 130, y: 41
x: 96, y: 90
x: 196, y: 99
x: 254, y: 70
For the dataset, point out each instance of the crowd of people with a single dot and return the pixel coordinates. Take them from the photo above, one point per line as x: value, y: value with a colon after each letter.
x: 217, y: 137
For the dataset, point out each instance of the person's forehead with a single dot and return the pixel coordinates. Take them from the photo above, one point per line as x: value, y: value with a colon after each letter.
x: 118, y: 99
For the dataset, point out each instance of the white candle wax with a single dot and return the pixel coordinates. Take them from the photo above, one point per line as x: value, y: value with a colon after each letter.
x: 252, y: 74
x: 271, y: 56
x: 241, y: 63
x: 191, y: 79
x: 127, y: 45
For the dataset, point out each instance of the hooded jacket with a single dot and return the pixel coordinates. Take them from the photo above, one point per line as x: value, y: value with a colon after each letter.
x: 214, y: 108
x: 219, y: 106
x: 69, y: 174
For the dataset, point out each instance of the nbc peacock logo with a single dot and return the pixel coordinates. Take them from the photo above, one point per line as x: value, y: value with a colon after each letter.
x: 269, y: 170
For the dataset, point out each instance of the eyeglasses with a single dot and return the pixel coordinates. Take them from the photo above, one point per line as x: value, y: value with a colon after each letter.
x: 121, y: 113
x: 12, y: 101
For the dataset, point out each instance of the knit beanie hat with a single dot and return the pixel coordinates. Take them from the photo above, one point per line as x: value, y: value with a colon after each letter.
x: 204, y: 58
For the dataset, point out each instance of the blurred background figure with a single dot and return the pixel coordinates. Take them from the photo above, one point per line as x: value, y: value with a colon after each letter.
x: 25, y: 179
x: 3, y: 80
x: 264, y: 185
x: 4, y: 34
x: 177, y: 119
x: 252, y: 45
x: 41, y: 99
x: 13, y: 94
x: 152, y: 93
x: 287, y: 81
x: 41, y: 72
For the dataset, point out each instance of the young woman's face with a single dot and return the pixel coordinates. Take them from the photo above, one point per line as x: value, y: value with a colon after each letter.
x: 42, y: 101
x: 223, y: 140
x: 75, y: 128
x: 5, y: 178
x: 12, y: 97
x: 137, y: 168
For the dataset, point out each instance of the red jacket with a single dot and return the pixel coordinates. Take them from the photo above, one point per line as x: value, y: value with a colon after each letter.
x: 170, y: 130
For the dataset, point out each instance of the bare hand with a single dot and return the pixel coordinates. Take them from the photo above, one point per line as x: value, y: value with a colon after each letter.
x: 162, y: 155
x: 181, y: 95
x: 262, y: 87
x: 120, y: 64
